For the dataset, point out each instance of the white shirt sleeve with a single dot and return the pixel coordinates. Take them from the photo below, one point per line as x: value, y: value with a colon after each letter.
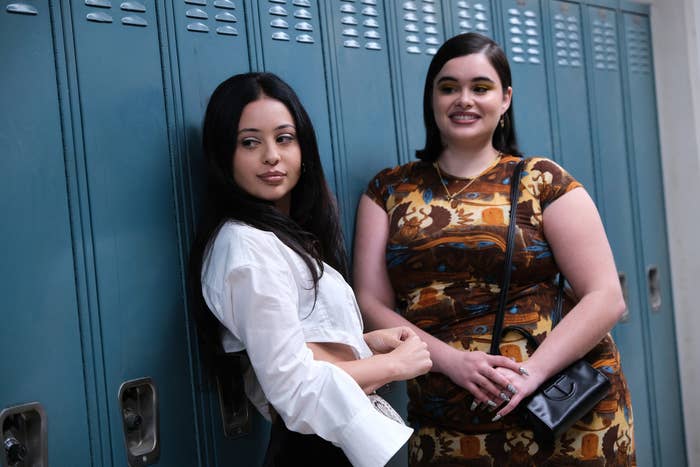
x: 258, y: 304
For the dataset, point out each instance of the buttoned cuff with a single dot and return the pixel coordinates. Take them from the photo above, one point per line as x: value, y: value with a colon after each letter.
x: 371, y: 439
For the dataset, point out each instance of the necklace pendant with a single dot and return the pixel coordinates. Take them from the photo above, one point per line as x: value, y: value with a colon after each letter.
x: 449, y: 197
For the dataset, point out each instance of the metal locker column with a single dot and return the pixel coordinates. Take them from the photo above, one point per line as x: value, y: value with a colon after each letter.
x: 417, y: 32
x: 615, y: 205
x: 470, y: 16
x: 211, y: 44
x: 292, y: 48
x: 573, y: 125
x: 522, y: 25
x: 39, y: 323
x: 653, y: 269
x: 362, y: 107
x: 130, y: 220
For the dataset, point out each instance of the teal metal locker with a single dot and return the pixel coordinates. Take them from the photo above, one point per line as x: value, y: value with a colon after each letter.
x: 615, y: 204
x: 653, y: 268
x: 40, y: 334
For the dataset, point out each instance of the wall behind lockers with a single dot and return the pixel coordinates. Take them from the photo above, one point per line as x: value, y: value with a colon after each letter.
x: 102, y: 104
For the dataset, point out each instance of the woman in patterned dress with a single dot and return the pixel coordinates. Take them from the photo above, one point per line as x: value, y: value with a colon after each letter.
x: 430, y: 244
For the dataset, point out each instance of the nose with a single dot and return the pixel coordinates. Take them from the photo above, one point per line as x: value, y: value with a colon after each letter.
x: 466, y: 98
x: 271, y: 156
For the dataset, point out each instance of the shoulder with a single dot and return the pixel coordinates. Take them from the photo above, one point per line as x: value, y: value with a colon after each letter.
x: 400, y: 178
x: 400, y: 173
x: 238, y: 245
x: 546, y: 179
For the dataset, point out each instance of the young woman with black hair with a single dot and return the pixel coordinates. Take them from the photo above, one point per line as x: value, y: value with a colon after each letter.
x: 430, y: 242
x: 269, y: 269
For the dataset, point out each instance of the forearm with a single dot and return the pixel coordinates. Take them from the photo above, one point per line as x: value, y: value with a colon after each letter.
x: 582, y: 328
x: 379, y: 316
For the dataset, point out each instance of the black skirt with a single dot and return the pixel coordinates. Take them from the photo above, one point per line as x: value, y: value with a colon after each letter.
x: 291, y: 449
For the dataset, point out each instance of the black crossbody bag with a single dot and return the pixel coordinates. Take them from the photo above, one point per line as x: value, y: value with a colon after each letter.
x: 569, y: 395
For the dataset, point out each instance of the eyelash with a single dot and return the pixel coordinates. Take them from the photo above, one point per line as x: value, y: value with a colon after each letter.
x: 251, y: 143
x: 479, y: 89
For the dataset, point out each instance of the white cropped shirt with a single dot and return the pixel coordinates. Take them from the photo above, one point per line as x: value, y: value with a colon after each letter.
x: 262, y: 293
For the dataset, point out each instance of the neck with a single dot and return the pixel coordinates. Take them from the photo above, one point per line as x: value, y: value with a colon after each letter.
x: 466, y: 164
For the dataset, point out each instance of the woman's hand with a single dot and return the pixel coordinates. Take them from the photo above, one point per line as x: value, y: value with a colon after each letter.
x: 522, y: 383
x: 386, y: 340
x: 410, y: 358
x: 477, y: 372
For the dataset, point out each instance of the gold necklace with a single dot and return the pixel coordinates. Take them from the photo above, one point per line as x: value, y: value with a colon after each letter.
x: 451, y: 196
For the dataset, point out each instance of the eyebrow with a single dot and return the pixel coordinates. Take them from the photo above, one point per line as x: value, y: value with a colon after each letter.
x: 255, y: 130
x: 473, y: 80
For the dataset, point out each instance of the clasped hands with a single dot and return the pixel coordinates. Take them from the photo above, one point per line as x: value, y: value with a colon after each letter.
x: 496, y: 382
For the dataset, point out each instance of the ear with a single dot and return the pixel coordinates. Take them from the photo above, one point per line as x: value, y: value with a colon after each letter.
x: 507, y: 96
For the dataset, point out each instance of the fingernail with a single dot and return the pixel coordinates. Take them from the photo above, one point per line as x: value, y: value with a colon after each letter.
x: 512, y: 389
x: 504, y: 397
x: 491, y: 404
x: 473, y: 406
x: 496, y: 418
x: 523, y: 371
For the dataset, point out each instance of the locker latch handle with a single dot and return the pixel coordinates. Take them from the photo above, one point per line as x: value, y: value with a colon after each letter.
x: 138, y: 401
x: 24, y: 436
x: 654, y: 287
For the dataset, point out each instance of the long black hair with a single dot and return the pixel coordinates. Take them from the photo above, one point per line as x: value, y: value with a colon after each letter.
x: 504, y: 139
x: 312, y: 228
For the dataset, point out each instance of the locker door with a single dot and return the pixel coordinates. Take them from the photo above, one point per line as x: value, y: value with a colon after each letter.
x: 40, y: 331
x: 607, y: 113
x: 571, y: 107
x: 362, y: 109
x: 211, y: 44
x: 292, y: 48
x: 132, y: 221
x: 522, y: 25
x: 654, y: 270
x: 418, y: 31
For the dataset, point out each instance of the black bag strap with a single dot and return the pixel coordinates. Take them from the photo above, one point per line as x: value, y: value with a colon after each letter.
x: 507, y: 268
x: 508, y: 263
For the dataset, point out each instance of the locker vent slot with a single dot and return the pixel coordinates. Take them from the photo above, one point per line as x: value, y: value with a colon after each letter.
x: 368, y: 18
x: 202, y: 18
x: 567, y: 38
x: 604, y: 39
x: 524, y: 35
x: 638, y: 47
x: 473, y: 17
x: 21, y: 9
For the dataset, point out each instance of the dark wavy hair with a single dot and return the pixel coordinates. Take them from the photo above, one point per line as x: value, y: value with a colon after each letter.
x: 312, y: 228
x: 504, y: 139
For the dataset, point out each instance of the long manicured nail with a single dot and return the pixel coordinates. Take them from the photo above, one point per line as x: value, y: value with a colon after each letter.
x: 504, y: 396
x: 511, y: 389
x: 492, y: 405
x: 473, y: 406
x: 523, y: 371
x: 496, y: 418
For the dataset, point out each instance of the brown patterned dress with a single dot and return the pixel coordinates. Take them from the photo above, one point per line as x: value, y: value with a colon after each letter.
x: 445, y: 262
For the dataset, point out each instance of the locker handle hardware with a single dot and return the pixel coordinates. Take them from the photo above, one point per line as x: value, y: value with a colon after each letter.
x: 14, y: 450
x: 24, y: 436
x: 653, y: 287
x: 138, y: 400
x: 625, y: 295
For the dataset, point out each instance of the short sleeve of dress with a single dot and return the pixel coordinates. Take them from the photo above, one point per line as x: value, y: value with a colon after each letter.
x: 378, y: 188
x: 547, y: 180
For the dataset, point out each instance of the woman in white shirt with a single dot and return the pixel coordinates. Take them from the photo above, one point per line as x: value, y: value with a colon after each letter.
x: 270, y: 265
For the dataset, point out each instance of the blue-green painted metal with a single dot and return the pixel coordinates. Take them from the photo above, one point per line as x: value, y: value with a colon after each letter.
x: 39, y: 322
x: 650, y: 220
x: 615, y: 195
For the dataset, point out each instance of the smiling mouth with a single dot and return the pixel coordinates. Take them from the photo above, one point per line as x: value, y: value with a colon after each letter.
x: 464, y: 117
